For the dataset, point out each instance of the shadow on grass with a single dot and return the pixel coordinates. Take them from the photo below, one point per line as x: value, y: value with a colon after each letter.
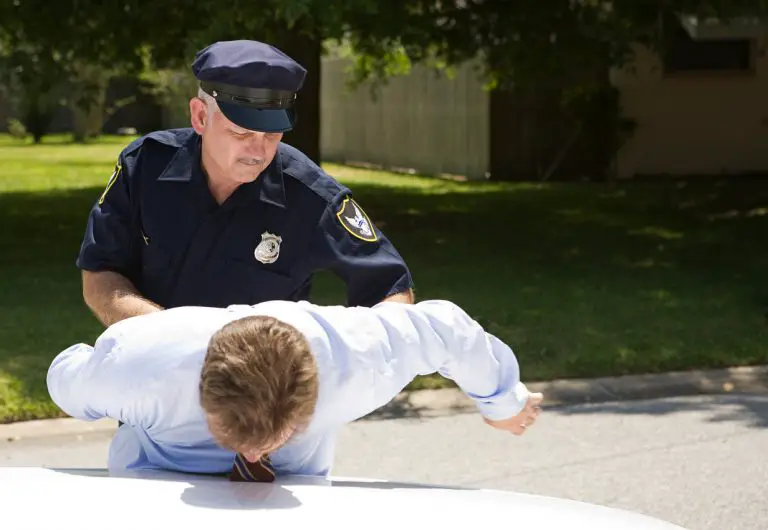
x: 581, y: 279
x: 636, y: 226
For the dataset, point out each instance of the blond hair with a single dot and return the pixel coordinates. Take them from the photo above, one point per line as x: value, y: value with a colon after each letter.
x: 259, y: 382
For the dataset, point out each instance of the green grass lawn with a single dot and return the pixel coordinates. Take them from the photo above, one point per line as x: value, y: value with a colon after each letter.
x: 581, y: 279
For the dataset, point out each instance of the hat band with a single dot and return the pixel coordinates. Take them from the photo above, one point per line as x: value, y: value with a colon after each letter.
x: 261, y: 98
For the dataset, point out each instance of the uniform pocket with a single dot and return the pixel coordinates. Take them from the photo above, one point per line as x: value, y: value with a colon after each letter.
x: 251, y: 283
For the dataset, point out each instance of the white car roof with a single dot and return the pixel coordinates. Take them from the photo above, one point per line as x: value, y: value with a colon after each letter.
x: 41, y: 499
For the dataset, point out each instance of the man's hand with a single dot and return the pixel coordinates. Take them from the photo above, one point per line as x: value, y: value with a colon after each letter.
x: 517, y: 425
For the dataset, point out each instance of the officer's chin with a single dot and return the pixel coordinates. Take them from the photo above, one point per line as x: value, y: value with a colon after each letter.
x: 247, y: 172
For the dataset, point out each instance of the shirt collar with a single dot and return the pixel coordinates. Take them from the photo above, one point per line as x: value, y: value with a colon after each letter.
x: 186, y: 163
x: 273, y: 183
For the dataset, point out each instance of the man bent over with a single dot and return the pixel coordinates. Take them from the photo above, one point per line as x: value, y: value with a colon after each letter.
x: 263, y: 390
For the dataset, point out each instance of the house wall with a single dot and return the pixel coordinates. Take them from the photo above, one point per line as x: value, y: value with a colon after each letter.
x: 694, y: 123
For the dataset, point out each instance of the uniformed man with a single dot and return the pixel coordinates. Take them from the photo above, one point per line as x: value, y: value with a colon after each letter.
x: 225, y: 213
x: 263, y: 390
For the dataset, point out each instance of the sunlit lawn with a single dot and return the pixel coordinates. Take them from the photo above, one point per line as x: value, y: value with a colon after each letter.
x: 581, y: 279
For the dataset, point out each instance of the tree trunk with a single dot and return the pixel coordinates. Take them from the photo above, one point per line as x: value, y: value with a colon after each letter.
x: 88, y: 117
x: 36, y: 110
x: 36, y: 119
x: 89, y: 103
x: 306, y: 50
x: 79, y: 124
x: 535, y: 136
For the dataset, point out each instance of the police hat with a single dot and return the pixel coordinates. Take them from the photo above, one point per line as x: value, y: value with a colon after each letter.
x: 254, y: 84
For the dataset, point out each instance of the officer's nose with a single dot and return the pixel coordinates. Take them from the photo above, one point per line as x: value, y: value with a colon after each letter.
x: 257, y: 144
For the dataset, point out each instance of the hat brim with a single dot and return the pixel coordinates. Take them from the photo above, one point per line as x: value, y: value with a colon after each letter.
x: 262, y: 120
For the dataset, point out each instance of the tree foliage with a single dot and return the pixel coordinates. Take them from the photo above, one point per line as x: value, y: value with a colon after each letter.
x: 76, y: 44
x: 521, y: 42
x: 29, y: 75
x: 525, y: 43
x: 516, y: 41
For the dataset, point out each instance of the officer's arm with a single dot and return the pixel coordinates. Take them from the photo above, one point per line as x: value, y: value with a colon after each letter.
x: 112, y: 297
x: 387, y: 346
x: 407, y: 297
x: 349, y: 244
x: 109, y: 253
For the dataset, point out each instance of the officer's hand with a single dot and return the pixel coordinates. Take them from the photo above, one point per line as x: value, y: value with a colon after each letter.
x: 517, y: 425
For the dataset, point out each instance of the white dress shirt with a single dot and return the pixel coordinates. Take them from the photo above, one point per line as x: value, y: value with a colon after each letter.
x: 144, y: 371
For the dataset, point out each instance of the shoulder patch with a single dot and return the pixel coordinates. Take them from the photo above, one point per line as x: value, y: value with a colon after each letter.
x: 355, y: 221
x: 111, y: 182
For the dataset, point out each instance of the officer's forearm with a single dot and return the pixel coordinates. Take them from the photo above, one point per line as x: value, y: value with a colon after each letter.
x: 406, y: 297
x: 113, y: 297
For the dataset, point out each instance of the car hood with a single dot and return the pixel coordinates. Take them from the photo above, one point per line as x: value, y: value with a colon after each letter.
x: 41, y: 498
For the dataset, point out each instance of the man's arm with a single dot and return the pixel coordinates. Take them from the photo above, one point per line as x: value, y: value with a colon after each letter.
x: 141, y: 371
x: 116, y: 378
x: 113, y: 297
x: 82, y: 381
x: 380, y: 350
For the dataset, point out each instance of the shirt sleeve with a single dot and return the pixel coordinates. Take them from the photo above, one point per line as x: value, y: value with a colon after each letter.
x: 109, y: 242
x: 143, y: 370
x: 349, y: 244
x: 84, y: 382
x: 374, y: 353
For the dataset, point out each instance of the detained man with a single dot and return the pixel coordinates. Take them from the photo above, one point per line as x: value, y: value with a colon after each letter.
x: 254, y: 392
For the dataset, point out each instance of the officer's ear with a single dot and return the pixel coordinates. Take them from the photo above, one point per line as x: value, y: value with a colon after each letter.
x: 198, y: 114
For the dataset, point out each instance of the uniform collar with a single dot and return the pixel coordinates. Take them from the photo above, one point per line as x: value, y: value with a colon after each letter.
x: 186, y: 163
x: 272, y: 183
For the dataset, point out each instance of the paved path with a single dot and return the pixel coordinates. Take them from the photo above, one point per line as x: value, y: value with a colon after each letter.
x: 696, y: 461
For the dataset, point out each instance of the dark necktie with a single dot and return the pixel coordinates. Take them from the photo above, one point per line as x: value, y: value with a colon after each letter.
x: 244, y: 471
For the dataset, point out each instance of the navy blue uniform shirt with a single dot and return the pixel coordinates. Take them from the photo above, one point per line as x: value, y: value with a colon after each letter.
x: 157, y: 224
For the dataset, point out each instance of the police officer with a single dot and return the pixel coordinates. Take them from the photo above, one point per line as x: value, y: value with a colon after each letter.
x: 225, y: 213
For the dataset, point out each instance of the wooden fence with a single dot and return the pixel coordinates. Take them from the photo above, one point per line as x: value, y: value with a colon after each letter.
x: 424, y: 122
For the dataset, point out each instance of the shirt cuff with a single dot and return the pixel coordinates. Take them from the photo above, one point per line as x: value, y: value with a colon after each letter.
x: 504, y: 406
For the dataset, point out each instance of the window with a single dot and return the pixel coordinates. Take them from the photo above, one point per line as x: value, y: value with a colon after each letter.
x: 683, y: 54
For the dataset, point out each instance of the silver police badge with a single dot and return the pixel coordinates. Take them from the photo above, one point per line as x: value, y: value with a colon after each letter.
x: 269, y: 249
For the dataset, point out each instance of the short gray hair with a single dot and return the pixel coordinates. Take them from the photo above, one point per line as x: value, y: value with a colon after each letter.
x: 210, y: 102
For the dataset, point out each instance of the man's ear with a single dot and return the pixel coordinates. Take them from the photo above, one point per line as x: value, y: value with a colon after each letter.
x: 198, y: 114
